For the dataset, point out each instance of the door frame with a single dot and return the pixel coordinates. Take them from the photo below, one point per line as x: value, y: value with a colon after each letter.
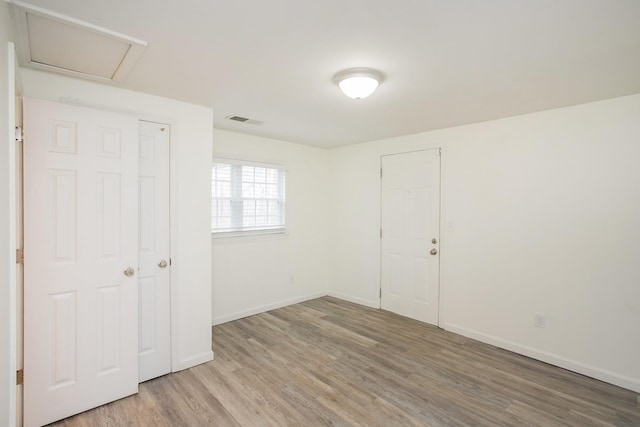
x: 442, y: 229
x: 10, y: 223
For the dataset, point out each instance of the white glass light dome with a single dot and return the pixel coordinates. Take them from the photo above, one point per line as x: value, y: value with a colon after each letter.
x: 358, y: 83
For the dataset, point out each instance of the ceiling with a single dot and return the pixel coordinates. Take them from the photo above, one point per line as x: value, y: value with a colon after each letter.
x: 445, y: 62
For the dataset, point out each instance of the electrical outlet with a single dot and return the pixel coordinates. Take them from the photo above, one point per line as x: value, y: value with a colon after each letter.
x: 540, y: 320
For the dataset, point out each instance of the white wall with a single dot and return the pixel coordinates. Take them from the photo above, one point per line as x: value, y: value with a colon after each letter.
x: 191, y: 134
x: 254, y: 274
x: 545, y: 209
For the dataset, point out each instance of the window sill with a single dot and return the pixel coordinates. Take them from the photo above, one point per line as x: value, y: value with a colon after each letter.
x: 248, y: 237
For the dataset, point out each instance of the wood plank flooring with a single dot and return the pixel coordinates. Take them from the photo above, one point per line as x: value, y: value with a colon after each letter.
x: 330, y: 362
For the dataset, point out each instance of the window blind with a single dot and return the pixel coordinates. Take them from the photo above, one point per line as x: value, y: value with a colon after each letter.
x: 247, y: 197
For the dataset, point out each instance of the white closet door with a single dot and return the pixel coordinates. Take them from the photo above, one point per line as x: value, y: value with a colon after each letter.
x: 81, y: 259
x: 154, y: 281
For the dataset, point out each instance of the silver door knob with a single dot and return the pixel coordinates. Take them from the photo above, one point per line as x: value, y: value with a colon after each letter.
x: 434, y: 251
x: 129, y: 271
x: 434, y: 241
x: 162, y: 264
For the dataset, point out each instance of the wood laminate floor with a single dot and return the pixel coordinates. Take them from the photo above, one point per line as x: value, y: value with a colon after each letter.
x: 331, y: 362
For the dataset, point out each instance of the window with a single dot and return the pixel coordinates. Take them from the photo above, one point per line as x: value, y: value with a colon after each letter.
x: 247, y: 197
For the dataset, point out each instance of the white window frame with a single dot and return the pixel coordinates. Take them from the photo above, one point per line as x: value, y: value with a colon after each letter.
x: 237, y: 200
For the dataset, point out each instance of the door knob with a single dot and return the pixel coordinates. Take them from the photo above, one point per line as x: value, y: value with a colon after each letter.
x: 434, y: 241
x: 433, y: 251
x: 129, y: 271
x: 162, y: 264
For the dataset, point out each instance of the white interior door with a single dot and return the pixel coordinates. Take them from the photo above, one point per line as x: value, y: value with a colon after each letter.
x: 81, y: 259
x: 154, y: 345
x: 410, y: 218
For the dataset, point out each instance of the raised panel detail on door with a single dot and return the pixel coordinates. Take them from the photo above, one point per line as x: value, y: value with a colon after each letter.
x: 80, y: 234
x: 147, y: 206
x: 108, y: 215
x: 109, y: 327
x: 63, y: 137
x: 63, y: 323
x: 153, y: 245
x: 396, y: 274
x: 147, y: 316
x: 410, y: 206
x: 62, y: 218
x: 109, y: 142
x: 421, y: 275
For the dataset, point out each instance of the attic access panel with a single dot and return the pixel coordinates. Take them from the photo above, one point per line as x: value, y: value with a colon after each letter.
x: 54, y: 42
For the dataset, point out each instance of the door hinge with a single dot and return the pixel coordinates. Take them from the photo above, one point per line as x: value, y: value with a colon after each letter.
x: 20, y: 377
x: 380, y: 292
x: 381, y: 233
x: 380, y: 172
x: 19, y: 256
x: 19, y: 134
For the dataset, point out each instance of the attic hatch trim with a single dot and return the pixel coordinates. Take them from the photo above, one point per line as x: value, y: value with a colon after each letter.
x: 20, y: 12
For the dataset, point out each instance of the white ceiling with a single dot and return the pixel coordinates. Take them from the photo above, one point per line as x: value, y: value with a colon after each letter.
x: 445, y: 62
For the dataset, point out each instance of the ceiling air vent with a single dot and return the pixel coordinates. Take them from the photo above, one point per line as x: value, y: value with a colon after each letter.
x: 50, y: 41
x: 245, y: 120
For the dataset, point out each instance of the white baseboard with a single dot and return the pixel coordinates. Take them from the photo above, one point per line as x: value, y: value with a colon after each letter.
x: 553, y: 359
x: 266, y: 307
x: 192, y: 361
x: 355, y: 300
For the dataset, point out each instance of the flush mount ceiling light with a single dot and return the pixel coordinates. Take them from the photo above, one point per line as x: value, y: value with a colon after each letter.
x: 358, y: 83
